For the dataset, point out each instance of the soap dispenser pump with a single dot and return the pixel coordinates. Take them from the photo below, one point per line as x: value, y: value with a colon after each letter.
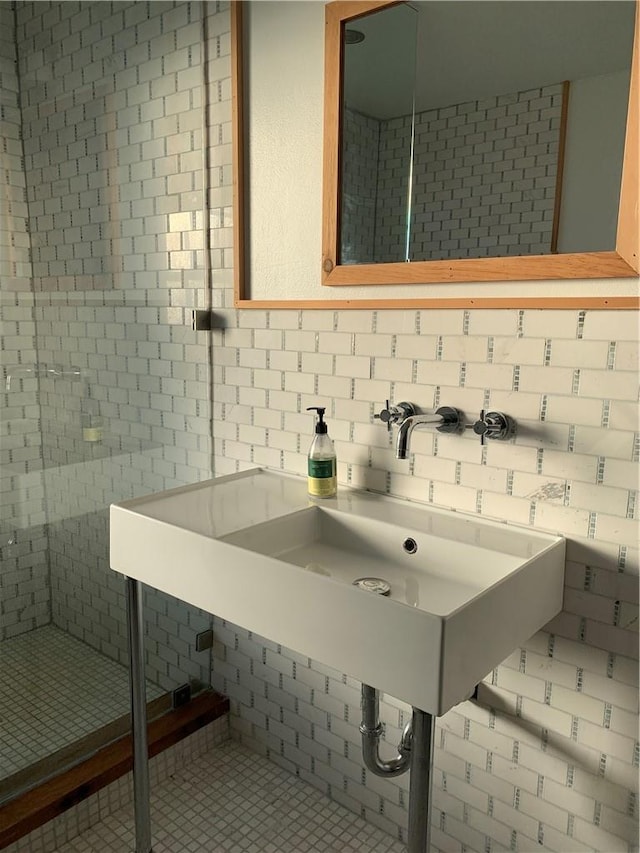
x: 321, y: 462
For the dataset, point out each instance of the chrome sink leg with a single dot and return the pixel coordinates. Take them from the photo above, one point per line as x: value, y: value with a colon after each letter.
x: 141, y: 788
x: 421, y: 781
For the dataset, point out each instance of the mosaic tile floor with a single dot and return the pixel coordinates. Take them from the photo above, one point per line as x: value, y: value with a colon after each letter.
x: 232, y: 800
x: 55, y: 689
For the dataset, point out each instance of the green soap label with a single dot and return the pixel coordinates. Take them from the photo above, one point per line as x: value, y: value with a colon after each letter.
x: 321, y: 468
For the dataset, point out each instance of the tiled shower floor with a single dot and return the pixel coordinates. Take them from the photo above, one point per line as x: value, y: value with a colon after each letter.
x: 232, y: 800
x: 54, y: 690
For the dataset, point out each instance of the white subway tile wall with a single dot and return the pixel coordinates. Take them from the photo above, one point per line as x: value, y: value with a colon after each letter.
x: 24, y: 586
x: 490, y: 190
x: 484, y: 176
x: 360, y: 149
x: 548, y: 757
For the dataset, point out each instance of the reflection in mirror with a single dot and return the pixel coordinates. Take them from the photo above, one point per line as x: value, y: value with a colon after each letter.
x: 377, y: 136
x: 515, y: 146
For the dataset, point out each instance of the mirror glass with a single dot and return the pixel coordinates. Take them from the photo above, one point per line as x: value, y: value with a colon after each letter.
x: 377, y: 135
x: 473, y: 130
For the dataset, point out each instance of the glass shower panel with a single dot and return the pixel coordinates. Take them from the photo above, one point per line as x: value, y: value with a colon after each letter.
x: 106, y: 386
x: 19, y: 506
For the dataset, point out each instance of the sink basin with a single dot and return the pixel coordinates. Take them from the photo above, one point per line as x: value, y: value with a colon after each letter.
x: 254, y: 549
x: 422, y: 570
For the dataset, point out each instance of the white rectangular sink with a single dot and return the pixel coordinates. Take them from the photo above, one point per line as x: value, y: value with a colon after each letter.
x: 254, y: 549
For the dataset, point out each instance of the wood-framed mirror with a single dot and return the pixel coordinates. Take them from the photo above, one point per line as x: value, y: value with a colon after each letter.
x: 601, y: 279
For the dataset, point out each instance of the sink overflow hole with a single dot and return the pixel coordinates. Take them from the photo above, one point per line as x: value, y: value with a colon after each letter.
x: 410, y: 546
x: 377, y: 585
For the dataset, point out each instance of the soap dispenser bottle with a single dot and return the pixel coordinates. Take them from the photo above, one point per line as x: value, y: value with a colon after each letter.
x: 321, y: 461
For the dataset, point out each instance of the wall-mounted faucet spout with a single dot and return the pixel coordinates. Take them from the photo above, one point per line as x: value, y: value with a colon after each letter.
x: 444, y: 419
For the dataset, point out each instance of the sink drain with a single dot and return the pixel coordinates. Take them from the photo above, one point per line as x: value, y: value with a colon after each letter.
x: 410, y: 546
x: 377, y: 585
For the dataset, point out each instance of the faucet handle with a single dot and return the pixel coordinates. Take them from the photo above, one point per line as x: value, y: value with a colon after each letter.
x: 494, y: 426
x: 395, y: 414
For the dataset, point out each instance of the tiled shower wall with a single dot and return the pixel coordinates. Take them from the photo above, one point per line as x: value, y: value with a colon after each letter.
x: 548, y: 758
x: 113, y: 159
x: 485, y: 176
x: 24, y: 587
x: 483, y: 181
x: 361, y: 144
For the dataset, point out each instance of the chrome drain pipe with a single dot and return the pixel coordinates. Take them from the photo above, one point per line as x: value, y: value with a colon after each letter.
x: 371, y: 731
x: 415, y: 753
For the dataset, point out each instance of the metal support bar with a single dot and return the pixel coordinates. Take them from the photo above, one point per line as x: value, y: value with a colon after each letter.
x: 421, y: 781
x: 141, y: 788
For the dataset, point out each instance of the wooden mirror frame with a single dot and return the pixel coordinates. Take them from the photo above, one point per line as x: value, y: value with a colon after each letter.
x: 620, y: 263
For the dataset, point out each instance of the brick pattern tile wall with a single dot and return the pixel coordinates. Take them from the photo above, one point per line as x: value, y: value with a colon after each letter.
x: 24, y: 587
x: 548, y: 758
x: 483, y: 183
x: 395, y: 191
x: 486, y: 176
x: 360, y: 151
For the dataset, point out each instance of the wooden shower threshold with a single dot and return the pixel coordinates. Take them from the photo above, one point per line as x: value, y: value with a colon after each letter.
x: 52, y: 797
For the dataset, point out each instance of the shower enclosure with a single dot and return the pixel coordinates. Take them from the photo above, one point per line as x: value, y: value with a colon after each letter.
x: 105, y: 385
